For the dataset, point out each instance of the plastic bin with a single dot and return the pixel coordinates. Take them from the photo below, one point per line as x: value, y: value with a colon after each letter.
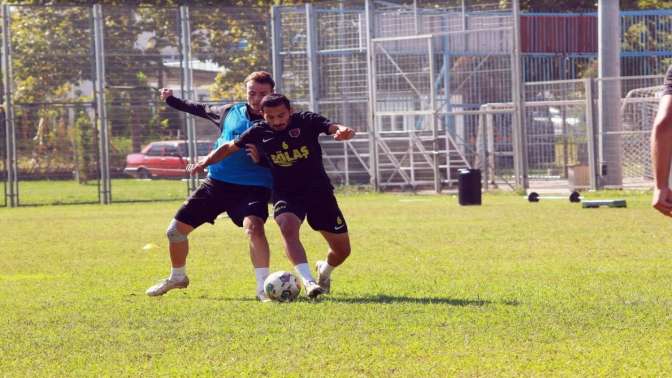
x: 469, y: 186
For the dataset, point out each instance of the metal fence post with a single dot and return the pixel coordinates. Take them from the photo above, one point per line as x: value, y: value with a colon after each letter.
x: 432, y: 120
x: 590, y: 134
x: 188, y: 91
x: 105, y: 188
x: 483, y: 156
x: 609, y: 97
x: 276, y: 43
x: 313, y: 70
x: 518, y: 128
x: 12, y: 183
x: 371, y: 78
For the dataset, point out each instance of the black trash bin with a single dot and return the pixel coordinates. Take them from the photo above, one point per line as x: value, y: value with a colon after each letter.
x: 469, y: 186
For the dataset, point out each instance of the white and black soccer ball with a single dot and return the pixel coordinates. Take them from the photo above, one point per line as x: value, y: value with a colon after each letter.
x: 282, y: 286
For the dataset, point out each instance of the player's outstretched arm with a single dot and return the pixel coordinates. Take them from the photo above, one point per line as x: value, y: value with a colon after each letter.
x: 661, y: 153
x: 221, y: 153
x: 341, y: 132
x: 212, y: 113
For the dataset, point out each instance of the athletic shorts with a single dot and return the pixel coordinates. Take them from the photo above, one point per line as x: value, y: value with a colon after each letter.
x: 320, y: 207
x: 215, y: 197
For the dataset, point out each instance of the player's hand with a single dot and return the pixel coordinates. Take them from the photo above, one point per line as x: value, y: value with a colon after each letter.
x: 344, y: 133
x: 253, y: 152
x: 662, y: 201
x: 165, y: 93
x: 196, y: 168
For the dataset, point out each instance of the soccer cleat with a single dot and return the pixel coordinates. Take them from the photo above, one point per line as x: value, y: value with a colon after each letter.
x: 262, y: 297
x: 324, y: 282
x: 313, y: 290
x: 166, y: 285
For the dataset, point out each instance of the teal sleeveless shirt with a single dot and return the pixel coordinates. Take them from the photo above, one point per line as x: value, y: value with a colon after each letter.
x: 238, y: 168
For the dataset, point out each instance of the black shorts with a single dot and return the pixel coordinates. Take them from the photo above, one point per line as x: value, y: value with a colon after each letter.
x: 215, y: 197
x: 320, y: 207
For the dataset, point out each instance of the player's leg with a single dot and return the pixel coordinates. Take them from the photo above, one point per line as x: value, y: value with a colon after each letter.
x: 325, y: 216
x: 290, y: 225
x: 178, y: 246
x: 178, y: 242
x: 339, y: 250
x: 289, y: 215
x: 198, y: 209
x: 259, y: 252
x: 252, y: 213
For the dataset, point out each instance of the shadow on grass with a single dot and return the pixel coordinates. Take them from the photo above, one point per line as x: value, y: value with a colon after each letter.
x: 385, y: 299
x: 389, y: 299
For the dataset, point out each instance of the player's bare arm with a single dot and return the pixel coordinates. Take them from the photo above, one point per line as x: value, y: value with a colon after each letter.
x: 661, y: 151
x: 341, y: 132
x: 213, y: 157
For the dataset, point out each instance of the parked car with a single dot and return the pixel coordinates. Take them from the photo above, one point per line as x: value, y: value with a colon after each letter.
x: 167, y: 158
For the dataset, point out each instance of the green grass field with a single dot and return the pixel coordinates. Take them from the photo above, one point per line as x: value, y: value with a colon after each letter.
x: 44, y: 192
x: 431, y: 289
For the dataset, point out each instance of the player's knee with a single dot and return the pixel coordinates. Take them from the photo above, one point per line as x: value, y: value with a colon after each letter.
x: 344, y: 251
x: 288, y: 228
x: 174, y: 235
x: 254, y: 228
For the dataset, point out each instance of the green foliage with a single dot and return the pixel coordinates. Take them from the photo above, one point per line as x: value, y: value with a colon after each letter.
x: 84, y: 143
x: 51, y: 49
x: 648, y: 4
x: 120, y: 146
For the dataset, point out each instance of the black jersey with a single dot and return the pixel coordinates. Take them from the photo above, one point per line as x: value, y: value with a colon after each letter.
x: 668, y: 81
x: 294, y: 154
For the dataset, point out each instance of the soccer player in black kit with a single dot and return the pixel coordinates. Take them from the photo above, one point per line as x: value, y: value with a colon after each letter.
x: 301, y: 187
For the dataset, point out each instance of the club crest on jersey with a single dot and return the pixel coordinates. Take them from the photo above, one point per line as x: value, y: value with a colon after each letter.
x: 294, y: 133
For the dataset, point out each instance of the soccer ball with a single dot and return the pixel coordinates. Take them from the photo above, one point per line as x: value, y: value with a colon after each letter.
x: 282, y: 286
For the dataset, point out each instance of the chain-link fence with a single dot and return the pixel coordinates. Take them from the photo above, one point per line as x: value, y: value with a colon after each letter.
x: 135, y: 69
x: 564, y: 46
x: 430, y: 86
x: 402, y: 74
x: 566, y: 147
x: 638, y: 106
x: 558, y: 126
x: 320, y: 63
x: 74, y: 72
x: 55, y: 139
x: 3, y: 160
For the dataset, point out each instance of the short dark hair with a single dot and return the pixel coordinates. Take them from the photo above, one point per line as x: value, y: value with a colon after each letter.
x: 274, y: 99
x: 261, y: 77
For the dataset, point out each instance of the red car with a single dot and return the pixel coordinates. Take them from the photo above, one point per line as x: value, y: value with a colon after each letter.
x: 167, y: 158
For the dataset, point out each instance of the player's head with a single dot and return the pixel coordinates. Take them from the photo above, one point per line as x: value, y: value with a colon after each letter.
x: 257, y: 85
x: 276, y: 110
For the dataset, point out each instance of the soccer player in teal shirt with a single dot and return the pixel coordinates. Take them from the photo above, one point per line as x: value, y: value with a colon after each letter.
x: 236, y: 186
